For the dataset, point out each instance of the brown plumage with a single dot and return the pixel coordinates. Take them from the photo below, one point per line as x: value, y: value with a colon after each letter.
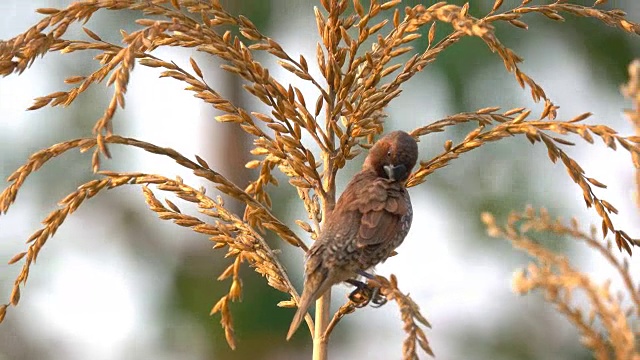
x: 371, y: 218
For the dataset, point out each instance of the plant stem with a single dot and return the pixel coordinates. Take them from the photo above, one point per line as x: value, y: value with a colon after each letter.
x: 323, y: 317
x: 320, y: 348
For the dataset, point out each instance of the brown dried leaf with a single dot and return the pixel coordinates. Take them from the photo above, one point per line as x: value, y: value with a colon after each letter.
x: 3, y: 312
x: 91, y: 34
x: 432, y: 34
x: 17, y: 257
x: 195, y: 67
x: 496, y: 5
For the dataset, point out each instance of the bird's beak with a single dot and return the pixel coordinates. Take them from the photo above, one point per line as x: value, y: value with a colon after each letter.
x: 395, y: 173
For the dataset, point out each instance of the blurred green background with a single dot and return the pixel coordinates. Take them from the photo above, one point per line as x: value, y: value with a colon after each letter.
x: 117, y: 283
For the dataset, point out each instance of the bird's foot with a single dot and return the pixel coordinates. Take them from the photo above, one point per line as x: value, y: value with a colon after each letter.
x: 365, y: 294
x: 361, y: 296
x: 377, y: 299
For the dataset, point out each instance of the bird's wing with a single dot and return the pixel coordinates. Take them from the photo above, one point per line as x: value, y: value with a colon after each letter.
x: 381, y: 205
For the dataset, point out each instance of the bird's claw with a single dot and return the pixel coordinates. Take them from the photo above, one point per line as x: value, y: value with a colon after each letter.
x: 377, y: 299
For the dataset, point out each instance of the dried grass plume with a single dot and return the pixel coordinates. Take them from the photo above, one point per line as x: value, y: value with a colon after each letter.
x: 364, y: 54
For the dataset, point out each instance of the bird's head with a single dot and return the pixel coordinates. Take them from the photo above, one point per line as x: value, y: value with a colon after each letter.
x: 393, y: 156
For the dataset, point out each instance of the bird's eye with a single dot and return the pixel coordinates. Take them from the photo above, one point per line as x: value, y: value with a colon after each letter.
x: 389, y: 153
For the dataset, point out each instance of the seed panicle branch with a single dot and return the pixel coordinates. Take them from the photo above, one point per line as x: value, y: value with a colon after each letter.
x: 244, y: 243
x: 365, y: 54
x: 514, y: 122
x: 560, y: 281
x: 409, y: 311
x: 411, y: 317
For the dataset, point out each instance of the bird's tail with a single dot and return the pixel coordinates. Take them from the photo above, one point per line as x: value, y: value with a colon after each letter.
x: 314, y: 286
x: 305, y: 302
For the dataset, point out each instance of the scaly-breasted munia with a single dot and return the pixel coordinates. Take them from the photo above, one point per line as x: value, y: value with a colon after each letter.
x: 371, y: 218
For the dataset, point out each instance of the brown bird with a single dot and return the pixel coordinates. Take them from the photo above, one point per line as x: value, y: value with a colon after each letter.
x: 371, y: 218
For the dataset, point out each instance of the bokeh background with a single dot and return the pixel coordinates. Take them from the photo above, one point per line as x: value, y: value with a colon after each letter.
x: 117, y: 283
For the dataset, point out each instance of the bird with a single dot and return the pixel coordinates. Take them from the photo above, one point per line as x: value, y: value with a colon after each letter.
x: 370, y: 219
